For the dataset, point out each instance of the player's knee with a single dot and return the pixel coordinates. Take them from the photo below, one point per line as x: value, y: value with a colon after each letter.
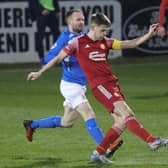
x: 120, y: 124
x: 66, y: 124
x: 128, y: 113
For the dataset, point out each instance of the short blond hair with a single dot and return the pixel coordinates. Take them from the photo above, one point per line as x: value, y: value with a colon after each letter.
x: 100, y: 19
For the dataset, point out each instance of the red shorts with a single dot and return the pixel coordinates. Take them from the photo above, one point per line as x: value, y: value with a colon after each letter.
x: 107, y: 94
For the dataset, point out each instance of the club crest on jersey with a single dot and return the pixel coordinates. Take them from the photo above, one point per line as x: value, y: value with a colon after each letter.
x: 102, y: 46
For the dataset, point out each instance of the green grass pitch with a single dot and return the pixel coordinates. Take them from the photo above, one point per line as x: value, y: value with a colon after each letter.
x: 145, y: 85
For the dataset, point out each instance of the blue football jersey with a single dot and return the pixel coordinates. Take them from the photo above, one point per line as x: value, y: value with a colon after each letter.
x: 72, y: 71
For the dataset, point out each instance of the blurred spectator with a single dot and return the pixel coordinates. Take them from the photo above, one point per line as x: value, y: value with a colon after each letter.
x: 162, y: 11
x: 45, y: 13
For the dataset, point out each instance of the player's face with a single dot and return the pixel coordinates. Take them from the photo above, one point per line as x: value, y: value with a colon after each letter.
x: 101, y: 31
x: 77, y: 22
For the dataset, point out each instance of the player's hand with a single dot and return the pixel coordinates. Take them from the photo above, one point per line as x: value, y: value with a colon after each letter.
x: 153, y: 29
x: 161, y: 32
x: 33, y: 75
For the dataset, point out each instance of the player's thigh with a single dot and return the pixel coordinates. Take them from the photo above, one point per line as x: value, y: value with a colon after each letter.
x: 122, y: 109
x: 70, y: 116
x: 107, y: 93
x: 118, y: 121
x: 85, y: 110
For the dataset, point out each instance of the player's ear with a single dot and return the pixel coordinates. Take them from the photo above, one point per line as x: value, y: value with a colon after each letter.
x: 69, y: 21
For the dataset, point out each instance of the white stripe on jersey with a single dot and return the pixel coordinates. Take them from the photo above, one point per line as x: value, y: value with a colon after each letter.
x: 104, y: 91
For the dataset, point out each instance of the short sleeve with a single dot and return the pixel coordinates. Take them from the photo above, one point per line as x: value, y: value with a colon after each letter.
x: 72, y: 46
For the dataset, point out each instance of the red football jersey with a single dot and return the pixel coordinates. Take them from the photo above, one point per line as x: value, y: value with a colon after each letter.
x: 92, y: 57
x: 163, y: 5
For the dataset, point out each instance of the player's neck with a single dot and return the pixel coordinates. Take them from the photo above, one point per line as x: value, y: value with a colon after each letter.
x: 72, y: 31
x: 91, y: 36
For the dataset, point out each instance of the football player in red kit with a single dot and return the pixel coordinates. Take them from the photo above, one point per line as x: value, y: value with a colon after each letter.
x: 91, y: 51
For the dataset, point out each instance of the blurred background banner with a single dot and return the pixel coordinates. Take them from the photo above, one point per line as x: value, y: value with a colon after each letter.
x: 129, y: 19
x: 136, y: 18
x: 17, y: 32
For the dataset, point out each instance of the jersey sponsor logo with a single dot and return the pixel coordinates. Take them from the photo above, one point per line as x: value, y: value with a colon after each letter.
x: 96, y: 56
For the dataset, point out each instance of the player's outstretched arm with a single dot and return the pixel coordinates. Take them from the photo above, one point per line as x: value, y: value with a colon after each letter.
x: 56, y: 60
x: 140, y: 40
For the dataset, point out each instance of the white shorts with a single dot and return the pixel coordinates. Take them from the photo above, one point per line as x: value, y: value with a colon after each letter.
x: 73, y: 93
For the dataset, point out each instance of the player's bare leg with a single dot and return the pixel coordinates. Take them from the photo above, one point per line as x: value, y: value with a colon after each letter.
x: 69, y: 118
